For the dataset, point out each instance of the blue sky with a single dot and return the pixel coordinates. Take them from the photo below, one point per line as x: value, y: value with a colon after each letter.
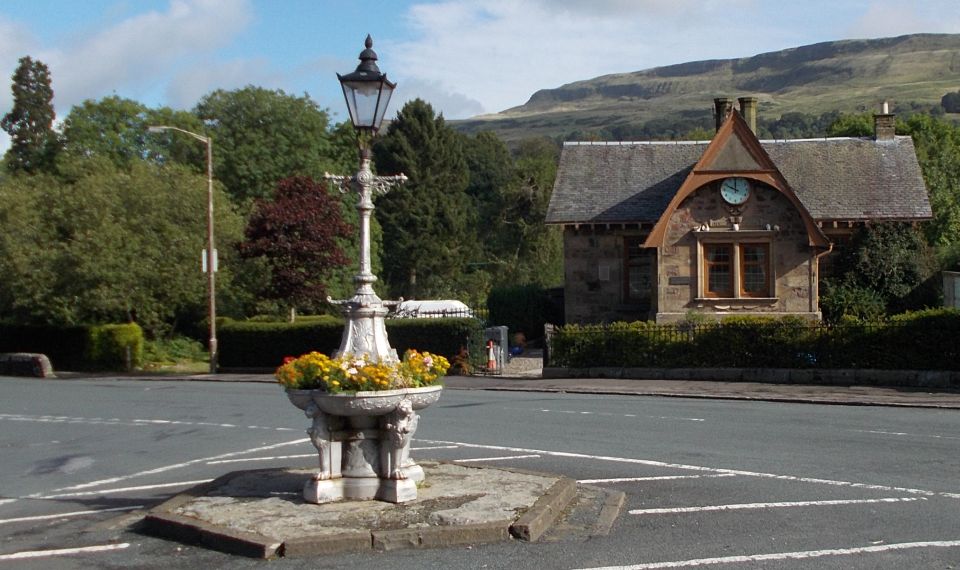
x: 466, y: 57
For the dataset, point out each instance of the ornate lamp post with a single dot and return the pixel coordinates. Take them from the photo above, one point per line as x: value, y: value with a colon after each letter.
x: 211, y: 252
x: 367, y: 92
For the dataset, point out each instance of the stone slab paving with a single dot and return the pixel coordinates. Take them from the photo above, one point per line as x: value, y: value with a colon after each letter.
x: 261, y: 513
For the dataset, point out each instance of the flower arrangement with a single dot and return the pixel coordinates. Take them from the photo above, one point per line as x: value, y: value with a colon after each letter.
x: 316, y: 371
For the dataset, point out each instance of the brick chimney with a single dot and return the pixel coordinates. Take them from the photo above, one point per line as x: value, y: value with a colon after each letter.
x: 748, y: 110
x: 722, y: 106
x: 884, y: 124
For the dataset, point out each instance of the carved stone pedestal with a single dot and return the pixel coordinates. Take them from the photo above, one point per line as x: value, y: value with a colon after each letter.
x: 363, y: 441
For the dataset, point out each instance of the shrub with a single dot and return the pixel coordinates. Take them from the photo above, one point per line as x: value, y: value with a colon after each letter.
x: 851, y: 300
x: 115, y: 347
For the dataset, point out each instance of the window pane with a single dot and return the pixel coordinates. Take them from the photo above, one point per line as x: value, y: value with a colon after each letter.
x: 754, y: 279
x: 639, y: 284
x: 719, y: 269
x: 718, y: 253
x: 638, y: 272
x: 754, y: 254
x: 719, y: 279
x: 754, y: 271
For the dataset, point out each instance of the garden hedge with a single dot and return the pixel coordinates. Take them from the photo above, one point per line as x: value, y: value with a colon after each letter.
x: 257, y: 344
x: 924, y: 340
x: 78, y: 347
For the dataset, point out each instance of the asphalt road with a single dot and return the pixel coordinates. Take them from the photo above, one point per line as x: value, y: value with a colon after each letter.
x: 709, y: 483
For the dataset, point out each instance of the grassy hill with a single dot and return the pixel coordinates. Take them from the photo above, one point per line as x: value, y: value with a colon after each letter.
x: 845, y: 76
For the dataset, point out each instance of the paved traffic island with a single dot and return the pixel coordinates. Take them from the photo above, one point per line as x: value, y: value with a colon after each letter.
x: 262, y: 513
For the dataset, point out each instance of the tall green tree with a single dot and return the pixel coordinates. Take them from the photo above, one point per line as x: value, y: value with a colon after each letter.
x: 851, y: 125
x: 491, y: 173
x: 111, y: 244
x: 426, y: 222
x: 938, y: 149
x: 889, y: 264
x: 29, y: 123
x: 116, y: 129
x: 263, y: 136
x: 532, y: 251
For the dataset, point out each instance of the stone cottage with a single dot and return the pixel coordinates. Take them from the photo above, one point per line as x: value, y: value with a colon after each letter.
x: 736, y: 225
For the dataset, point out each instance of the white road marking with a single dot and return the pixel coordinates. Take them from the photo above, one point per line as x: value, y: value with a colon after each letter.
x: 126, y: 422
x: 171, y: 467
x: 275, y: 457
x: 120, y: 490
x: 801, y: 555
x: 751, y: 506
x: 903, y: 433
x: 68, y: 515
x: 610, y: 414
x: 435, y: 447
x: 496, y: 458
x: 664, y: 464
x: 63, y: 551
x: 655, y: 478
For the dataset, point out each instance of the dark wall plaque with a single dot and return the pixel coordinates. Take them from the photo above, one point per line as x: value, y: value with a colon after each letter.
x: 680, y: 280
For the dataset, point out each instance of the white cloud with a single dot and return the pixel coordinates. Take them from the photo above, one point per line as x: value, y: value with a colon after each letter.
x: 188, y: 86
x: 452, y: 105
x: 15, y: 42
x: 885, y: 19
x: 500, y: 52
x: 133, y: 53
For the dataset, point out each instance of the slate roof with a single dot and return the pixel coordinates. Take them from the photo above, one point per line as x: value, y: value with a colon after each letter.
x: 836, y: 179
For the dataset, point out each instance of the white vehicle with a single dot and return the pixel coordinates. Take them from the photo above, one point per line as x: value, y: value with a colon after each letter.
x: 432, y: 309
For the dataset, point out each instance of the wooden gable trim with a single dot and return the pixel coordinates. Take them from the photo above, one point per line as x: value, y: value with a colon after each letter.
x: 767, y: 172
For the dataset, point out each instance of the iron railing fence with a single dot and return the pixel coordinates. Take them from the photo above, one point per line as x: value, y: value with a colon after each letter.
x: 471, y: 313
x: 905, y: 345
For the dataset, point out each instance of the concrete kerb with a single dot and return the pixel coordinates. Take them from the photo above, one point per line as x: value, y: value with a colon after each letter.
x: 532, y: 524
x: 166, y: 522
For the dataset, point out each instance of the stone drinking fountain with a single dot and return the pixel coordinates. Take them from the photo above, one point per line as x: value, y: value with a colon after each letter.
x: 363, y: 438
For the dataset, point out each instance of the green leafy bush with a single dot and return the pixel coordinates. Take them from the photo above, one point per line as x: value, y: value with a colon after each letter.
x: 114, y: 347
x: 846, y: 299
x: 166, y: 351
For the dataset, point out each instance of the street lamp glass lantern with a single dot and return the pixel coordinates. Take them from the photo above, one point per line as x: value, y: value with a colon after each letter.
x: 367, y: 91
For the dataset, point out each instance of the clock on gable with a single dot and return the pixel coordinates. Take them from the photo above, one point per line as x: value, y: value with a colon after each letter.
x: 735, y: 191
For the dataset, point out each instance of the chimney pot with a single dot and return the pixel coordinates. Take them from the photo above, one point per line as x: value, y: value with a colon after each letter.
x: 884, y: 124
x: 723, y: 106
x: 748, y: 110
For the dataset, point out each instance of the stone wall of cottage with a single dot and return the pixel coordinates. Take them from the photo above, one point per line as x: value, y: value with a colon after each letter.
x: 594, y: 266
x: 768, y: 216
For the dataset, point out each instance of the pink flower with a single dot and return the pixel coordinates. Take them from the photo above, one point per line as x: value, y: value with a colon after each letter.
x: 428, y: 362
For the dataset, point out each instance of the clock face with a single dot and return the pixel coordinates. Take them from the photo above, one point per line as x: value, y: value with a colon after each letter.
x: 735, y: 191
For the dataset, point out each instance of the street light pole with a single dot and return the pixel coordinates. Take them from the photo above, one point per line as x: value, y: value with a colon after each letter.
x: 211, y: 259
x: 367, y: 93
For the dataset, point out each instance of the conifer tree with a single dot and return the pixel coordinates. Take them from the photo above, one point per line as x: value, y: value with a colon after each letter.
x: 30, y: 121
x: 428, y: 222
